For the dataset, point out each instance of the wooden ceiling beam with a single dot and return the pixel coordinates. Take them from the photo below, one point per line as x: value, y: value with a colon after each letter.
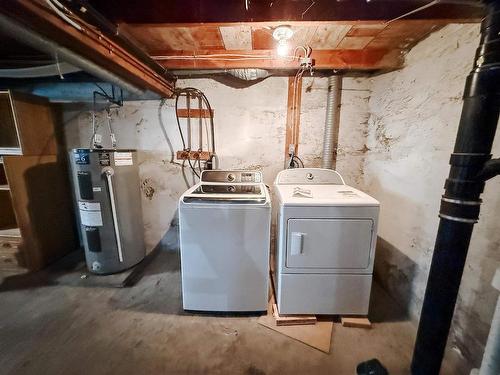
x: 367, y: 59
x: 89, y: 43
x: 272, y: 24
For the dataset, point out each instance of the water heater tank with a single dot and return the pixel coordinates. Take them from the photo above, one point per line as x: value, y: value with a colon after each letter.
x: 108, y: 198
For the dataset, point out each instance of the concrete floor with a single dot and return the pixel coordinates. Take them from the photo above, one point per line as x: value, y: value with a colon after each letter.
x: 60, y: 329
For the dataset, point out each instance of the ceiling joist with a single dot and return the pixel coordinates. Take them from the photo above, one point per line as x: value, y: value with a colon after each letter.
x: 267, y: 59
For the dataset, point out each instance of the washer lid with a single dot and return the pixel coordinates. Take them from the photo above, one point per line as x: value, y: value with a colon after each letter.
x: 323, y: 195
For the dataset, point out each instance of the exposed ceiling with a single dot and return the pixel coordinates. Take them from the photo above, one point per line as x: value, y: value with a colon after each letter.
x: 340, y: 45
x: 344, y: 34
x: 356, y: 35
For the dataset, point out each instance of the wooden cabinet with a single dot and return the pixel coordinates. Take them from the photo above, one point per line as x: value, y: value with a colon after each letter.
x: 26, y: 125
x: 37, y: 223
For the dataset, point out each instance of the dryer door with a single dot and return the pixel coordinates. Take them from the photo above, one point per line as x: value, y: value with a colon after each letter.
x: 329, y: 243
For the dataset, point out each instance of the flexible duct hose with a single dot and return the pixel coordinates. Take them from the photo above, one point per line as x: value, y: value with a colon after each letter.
x: 330, y: 138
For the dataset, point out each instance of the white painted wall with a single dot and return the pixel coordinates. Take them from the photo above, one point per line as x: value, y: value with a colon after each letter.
x: 411, y: 132
x: 250, y: 133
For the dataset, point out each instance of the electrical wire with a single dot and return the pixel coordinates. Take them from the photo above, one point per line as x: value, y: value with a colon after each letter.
x: 223, y: 57
x: 111, y: 99
x: 178, y: 122
x: 94, y: 129
x: 56, y: 6
x: 193, y: 169
x: 300, y: 160
x: 165, y: 134
x: 197, y: 92
x: 432, y: 3
x: 295, y: 162
x: 183, y: 171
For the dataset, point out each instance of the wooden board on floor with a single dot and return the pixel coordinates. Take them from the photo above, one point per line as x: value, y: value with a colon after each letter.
x: 292, y: 320
x: 285, y: 320
x: 356, y: 322
x: 317, y: 335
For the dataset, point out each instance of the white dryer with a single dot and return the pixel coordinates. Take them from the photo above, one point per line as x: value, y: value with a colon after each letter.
x: 225, y: 224
x: 326, y: 234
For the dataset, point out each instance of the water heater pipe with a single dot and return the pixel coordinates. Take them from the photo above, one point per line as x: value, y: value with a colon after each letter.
x: 331, y: 136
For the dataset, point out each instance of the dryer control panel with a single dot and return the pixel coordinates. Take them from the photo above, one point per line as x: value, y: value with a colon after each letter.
x: 303, y: 176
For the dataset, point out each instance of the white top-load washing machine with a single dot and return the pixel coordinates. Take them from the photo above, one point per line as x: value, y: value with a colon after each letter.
x: 325, y: 243
x: 225, y: 224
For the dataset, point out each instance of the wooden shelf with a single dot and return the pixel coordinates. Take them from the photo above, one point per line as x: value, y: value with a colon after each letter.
x: 34, y: 231
x: 19, y: 112
x: 10, y: 232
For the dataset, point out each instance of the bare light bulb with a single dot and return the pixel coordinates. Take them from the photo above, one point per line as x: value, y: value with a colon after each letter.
x: 282, y: 34
x: 282, y: 48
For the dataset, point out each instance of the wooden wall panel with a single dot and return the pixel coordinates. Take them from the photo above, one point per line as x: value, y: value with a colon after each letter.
x: 355, y: 42
x: 207, y: 37
x: 366, y: 30
x: 329, y: 36
x: 262, y: 38
x: 166, y: 38
x: 236, y: 37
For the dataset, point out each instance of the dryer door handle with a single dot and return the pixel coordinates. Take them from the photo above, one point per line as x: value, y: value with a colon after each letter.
x: 296, y: 243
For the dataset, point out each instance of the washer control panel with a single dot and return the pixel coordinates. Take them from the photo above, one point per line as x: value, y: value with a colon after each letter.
x: 231, y: 176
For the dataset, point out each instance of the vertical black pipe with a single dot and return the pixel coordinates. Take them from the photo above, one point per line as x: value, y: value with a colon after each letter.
x: 461, y: 201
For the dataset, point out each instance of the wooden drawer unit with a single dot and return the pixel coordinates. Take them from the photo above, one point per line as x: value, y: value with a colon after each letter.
x: 26, y: 125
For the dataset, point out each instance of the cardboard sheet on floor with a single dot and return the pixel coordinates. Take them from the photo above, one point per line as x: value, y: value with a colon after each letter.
x: 318, y: 336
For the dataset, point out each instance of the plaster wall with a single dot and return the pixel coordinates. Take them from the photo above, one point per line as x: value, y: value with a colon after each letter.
x: 250, y: 134
x: 414, y: 116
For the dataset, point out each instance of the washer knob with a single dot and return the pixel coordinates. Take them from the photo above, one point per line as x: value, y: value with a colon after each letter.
x: 231, y: 189
x: 309, y: 176
x: 231, y: 177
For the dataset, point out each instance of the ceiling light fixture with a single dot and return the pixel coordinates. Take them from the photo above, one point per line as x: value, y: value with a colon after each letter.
x: 282, y: 34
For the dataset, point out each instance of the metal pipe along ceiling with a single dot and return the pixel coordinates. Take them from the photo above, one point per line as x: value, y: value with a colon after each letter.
x: 39, y: 71
x: 331, y: 136
x: 39, y: 42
